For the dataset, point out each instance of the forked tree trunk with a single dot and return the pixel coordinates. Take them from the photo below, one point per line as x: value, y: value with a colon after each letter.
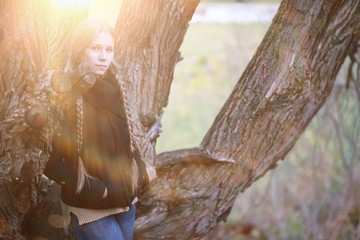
x: 282, y: 88
x: 284, y: 85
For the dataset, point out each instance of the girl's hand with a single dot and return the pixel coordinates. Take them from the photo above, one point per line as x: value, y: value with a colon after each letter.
x: 105, y: 194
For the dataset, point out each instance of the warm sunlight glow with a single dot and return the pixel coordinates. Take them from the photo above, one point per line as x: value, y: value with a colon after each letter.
x: 73, y: 3
x: 105, y: 9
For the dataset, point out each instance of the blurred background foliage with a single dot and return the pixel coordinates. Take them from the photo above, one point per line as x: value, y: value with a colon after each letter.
x: 214, y: 57
x: 314, y: 193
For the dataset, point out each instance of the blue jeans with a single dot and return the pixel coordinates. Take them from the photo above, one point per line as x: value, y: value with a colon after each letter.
x: 114, y: 227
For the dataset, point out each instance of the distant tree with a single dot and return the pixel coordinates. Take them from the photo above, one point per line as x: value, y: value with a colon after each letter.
x: 284, y: 85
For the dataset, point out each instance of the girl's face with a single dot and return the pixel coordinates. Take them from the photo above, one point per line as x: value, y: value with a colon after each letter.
x: 99, y: 54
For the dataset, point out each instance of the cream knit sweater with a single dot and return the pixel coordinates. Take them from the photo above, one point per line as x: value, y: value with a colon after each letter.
x: 86, y: 215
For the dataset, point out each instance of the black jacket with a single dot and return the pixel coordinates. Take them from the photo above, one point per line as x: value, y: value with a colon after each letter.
x: 105, y: 152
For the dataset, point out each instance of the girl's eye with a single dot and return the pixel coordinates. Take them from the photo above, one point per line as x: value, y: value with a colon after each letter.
x: 109, y: 50
x: 95, y: 48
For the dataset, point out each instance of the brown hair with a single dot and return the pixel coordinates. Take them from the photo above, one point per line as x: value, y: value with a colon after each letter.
x: 82, y: 38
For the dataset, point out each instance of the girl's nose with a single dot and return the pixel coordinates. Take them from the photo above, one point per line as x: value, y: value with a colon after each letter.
x: 102, y: 55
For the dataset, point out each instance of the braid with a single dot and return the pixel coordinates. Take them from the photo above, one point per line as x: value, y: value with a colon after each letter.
x: 82, y: 174
x: 128, y: 115
x: 80, y: 121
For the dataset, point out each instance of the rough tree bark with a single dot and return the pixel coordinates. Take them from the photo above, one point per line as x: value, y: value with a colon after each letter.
x: 282, y: 88
x: 31, y: 43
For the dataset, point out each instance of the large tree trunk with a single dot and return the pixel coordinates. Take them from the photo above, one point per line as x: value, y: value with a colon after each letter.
x: 282, y: 88
x: 149, y: 37
x: 23, y: 58
x: 284, y: 85
x: 31, y: 42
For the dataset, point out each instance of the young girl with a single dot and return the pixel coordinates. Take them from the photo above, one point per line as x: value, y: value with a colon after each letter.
x: 94, y: 156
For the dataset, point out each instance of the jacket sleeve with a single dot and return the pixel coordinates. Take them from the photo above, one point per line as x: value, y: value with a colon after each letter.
x: 57, y: 168
x: 64, y: 173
